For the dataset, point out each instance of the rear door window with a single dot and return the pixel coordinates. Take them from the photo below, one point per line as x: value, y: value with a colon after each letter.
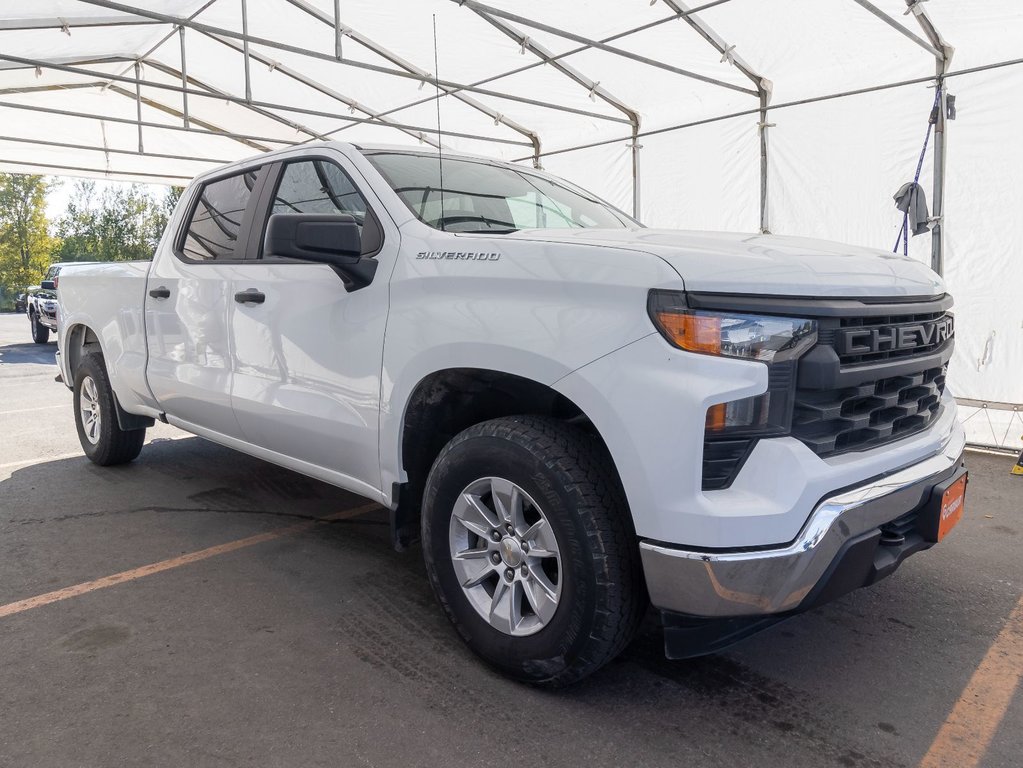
x: 217, y: 218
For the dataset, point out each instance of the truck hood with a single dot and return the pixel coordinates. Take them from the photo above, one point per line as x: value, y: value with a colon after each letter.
x: 724, y: 262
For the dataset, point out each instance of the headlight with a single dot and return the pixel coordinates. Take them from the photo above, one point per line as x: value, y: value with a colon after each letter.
x: 733, y: 427
x: 765, y: 338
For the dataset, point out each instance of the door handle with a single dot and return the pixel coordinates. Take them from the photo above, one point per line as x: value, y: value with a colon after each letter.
x: 250, y: 296
x: 160, y: 293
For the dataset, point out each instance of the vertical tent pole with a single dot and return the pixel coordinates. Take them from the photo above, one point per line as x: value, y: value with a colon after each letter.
x: 762, y: 85
x: 765, y: 221
x: 245, y: 51
x: 938, y: 228
x: 138, y: 102
x: 184, y: 77
x: 636, y: 146
x: 337, y: 29
x: 943, y: 58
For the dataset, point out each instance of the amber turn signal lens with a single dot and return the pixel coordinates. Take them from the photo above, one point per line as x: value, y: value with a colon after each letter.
x: 696, y: 333
x: 716, y: 417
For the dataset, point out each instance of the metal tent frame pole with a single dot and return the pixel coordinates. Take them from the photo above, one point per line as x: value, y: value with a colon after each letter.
x: 254, y: 103
x: 330, y: 57
x: 943, y: 61
x: 249, y: 140
x: 488, y: 10
x: 542, y: 62
x: 349, y: 102
x: 380, y: 50
x: 763, y: 92
x: 593, y: 87
x: 242, y: 42
x: 782, y: 105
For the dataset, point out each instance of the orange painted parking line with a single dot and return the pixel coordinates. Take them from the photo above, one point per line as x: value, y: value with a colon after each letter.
x: 969, y: 728
x: 174, y: 562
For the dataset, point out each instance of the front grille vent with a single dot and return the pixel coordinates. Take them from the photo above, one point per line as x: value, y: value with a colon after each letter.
x: 868, y: 415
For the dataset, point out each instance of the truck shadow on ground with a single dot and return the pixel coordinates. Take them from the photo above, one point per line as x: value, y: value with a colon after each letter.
x: 38, y: 354
x: 379, y: 606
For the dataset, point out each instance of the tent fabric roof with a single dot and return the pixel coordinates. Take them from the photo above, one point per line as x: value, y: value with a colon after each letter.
x: 362, y: 78
x: 158, y: 91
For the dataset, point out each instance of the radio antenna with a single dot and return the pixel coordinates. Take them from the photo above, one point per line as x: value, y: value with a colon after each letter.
x: 440, y: 149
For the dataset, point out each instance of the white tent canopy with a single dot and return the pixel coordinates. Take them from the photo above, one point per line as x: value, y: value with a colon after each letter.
x: 790, y: 116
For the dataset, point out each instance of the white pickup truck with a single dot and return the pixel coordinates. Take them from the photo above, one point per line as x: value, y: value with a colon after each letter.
x: 577, y: 415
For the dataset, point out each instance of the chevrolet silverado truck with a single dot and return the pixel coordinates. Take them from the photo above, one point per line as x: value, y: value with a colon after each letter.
x: 576, y: 415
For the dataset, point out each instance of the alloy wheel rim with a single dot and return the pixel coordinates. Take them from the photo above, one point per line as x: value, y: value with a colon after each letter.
x: 505, y: 556
x: 89, y: 408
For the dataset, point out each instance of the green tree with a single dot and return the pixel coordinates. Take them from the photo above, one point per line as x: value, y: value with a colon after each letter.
x: 25, y: 243
x: 122, y: 223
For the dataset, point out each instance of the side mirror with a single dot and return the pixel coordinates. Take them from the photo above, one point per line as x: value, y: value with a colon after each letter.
x: 48, y: 285
x: 327, y: 238
x: 334, y: 239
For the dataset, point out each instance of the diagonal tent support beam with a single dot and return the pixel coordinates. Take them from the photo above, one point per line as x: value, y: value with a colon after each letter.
x: 380, y: 50
x: 244, y: 138
x: 176, y: 88
x: 327, y: 91
x: 44, y: 88
x: 54, y: 22
x: 246, y: 103
x: 181, y: 34
x: 541, y: 62
x: 62, y: 169
x: 207, y: 126
x: 763, y: 87
x: 894, y: 24
x: 591, y: 86
x: 112, y: 150
x: 330, y: 57
x: 596, y: 44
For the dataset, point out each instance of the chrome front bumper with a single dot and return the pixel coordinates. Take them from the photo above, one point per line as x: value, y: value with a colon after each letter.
x: 771, y: 581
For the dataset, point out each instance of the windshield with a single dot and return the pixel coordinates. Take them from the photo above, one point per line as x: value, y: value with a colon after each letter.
x: 484, y: 197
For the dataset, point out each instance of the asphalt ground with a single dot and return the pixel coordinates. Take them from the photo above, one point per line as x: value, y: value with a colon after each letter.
x: 293, y: 641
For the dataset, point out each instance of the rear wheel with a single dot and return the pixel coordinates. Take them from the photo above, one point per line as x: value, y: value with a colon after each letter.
x: 102, y: 438
x: 40, y: 333
x: 530, y: 549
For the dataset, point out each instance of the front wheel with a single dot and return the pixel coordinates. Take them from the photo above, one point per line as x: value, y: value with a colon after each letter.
x: 40, y: 333
x: 102, y: 438
x: 530, y: 549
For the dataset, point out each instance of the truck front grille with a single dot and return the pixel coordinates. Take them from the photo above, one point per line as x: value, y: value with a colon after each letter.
x: 869, y: 414
x: 918, y: 326
x: 874, y: 377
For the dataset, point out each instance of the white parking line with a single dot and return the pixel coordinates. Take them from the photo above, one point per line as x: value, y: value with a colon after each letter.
x: 29, y: 410
x: 62, y: 456
x: 18, y: 381
x: 26, y: 462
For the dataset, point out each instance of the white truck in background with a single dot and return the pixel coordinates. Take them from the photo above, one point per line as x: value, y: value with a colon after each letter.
x: 577, y: 415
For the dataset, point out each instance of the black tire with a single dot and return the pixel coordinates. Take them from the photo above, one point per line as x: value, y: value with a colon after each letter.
x: 570, y: 476
x: 105, y: 443
x: 40, y: 333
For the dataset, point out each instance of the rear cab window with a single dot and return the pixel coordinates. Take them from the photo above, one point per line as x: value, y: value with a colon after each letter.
x: 217, y: 218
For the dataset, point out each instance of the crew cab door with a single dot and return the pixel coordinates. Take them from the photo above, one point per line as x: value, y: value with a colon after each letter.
x: 188, y: 294
x: 307, y: 352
